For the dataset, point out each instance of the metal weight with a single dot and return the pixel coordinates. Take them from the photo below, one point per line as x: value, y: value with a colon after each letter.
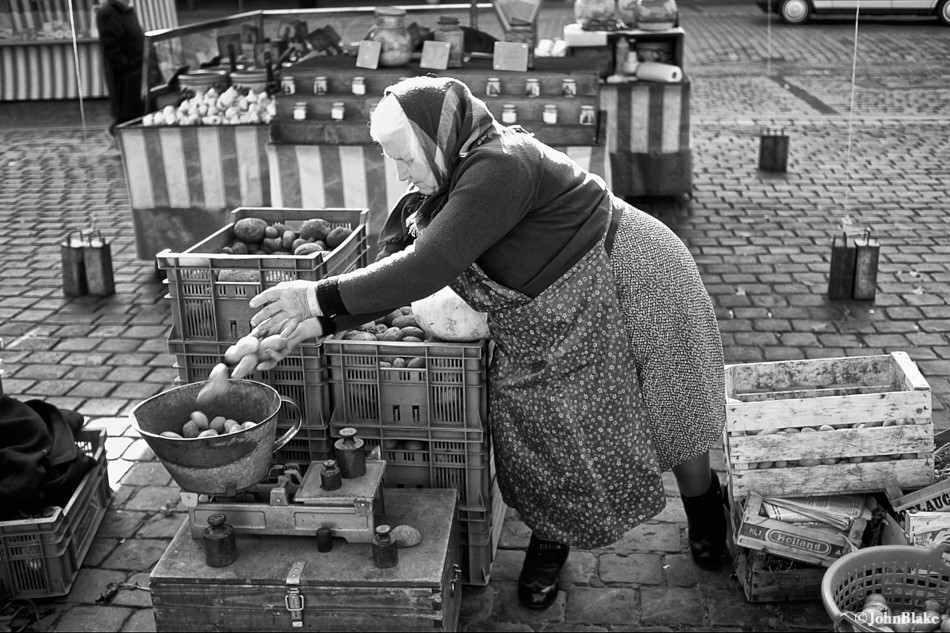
x: 219, y: 542
x: 385, y: 551
x: 841, y: 274
x: 350, y: 454
x: 867, y: 253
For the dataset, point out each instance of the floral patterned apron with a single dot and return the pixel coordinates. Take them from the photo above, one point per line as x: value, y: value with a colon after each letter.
x: 572, y: 442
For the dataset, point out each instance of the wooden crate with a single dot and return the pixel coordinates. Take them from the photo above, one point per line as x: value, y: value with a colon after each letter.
x: 767, y: 578
x: 802, y: 543
x: 342, y: 590
x: 770, y: 404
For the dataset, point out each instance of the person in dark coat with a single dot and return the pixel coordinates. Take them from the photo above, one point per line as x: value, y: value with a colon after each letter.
x: 123, y: 42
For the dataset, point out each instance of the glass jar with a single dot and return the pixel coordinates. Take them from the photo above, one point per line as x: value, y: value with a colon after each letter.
x: 287, y: 85
x: 588, y: 115
x: 522, y: 32
x: 509, y: 114
x: 596, y: 15
x: 627, y: 13
x: 358, y: 86
x: 338, y: 111
x: 493, y: 87
x: 657, y: 15
x: 391, y: 32
x: 320, y: 85
x: 450, y: 31
x: 532, y: 87
x: 549, y: 115
x: 300, y: 111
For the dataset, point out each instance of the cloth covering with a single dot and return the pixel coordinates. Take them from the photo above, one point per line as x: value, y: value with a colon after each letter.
x: 40, y: 463
x: 574, y: 452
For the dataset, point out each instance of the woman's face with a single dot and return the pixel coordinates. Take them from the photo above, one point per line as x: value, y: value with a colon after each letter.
x: 408, y: 167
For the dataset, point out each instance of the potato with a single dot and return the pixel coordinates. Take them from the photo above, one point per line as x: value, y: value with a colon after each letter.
x: 391, y: 334
x: 271, y: 347
x: 363, y: 336
x: 271, y: 244
x: 337, y: 236
x: 249, y: 424
x: 172, y: 435
x: 307, y: 248
x: 250, y: 229
x: 238, y: 248
x: 412, y: 339
x: 406, y: 309
x: 414, y: 445
x: 218, y: 423
x: 390, y: 318
x: 405, y: 320
x: 231, y: 274
x: 416, y: 362
x: 231, y: 426
x: 245, y: 345
x: 298, y: 242
x: 287, y: 239
x: 201, y: 420
x: 208, y: 433
x: 247, y: 365
x: 190, y: 429
x: 780, y: 463
x: 412, y: 331
x: 399, y: 363
x: 270, y: 232
x: 315, y: 229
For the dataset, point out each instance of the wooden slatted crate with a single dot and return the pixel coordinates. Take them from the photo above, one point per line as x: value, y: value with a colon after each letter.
x: 867, y: 420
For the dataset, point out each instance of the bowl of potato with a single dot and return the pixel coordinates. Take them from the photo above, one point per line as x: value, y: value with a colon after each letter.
x: 217, y: 445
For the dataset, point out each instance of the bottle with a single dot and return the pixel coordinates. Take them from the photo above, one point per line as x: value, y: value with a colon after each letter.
x: 390, y: 31
x: 449, y: 31
x: 657, y: 15
x: 621, y: 53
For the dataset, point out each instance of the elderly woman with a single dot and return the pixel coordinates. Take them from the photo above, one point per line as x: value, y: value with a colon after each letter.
x: 608, y: 363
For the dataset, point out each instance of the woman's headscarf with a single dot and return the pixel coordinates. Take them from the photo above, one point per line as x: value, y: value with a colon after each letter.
x: 448, y: 121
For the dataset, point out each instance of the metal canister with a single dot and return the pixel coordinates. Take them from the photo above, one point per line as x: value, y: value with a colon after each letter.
x: 220, y: 544
x: 338, y: 111
x: 532, y: 87
x: 330, y: 478
x: 300, y: 111
x: 350, y: 454
x: 287, y: 85
x: 509, y: 114
x: 588, y: 115
x: 866, y: 256
x: 320, y: 85
x: 568, y: 87
x: 549, y: 115
x: 493, y: 87
x: 385, y: 552
x: 358, y: 85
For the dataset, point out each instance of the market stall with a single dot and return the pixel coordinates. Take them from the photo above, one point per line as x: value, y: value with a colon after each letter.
x: 50, y: 50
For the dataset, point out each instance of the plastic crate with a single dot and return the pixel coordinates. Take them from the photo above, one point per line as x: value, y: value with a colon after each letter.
x: 457, y: 459
x: 479, y: 536
x: 41, y: 557
x: 301, y: 376
x: 309, y: 445
x: 448, y: 392
x: 209, y: 291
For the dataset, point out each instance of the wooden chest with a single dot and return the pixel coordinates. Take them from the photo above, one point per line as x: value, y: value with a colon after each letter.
x: 341, y: 590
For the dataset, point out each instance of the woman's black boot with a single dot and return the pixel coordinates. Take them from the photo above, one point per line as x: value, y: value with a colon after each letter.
x: 706, y: 519
x: 537, y: 585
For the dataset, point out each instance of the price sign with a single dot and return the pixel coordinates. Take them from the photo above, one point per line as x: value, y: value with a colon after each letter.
x: 368, y: 54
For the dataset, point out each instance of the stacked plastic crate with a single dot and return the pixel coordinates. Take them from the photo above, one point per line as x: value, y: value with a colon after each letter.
x: 425, y: 405
x: 209, y: 291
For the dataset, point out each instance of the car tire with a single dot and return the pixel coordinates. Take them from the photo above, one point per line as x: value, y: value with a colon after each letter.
x: 943, y: 13
x: 794, y: 11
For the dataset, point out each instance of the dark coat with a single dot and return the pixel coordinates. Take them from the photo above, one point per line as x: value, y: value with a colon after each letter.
x: 123, y: 42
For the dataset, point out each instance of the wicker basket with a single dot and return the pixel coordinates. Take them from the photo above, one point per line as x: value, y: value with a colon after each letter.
x: 906, y: 575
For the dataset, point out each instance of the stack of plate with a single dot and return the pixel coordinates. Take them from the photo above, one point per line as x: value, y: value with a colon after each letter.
x: 198, y: 81
x: 253, y: 78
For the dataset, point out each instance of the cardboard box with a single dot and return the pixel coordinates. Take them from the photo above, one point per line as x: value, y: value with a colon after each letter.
x: 868, y: 420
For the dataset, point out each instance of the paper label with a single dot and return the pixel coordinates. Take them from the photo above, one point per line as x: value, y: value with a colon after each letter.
x: 435, y: 55
x: 368, y: 54
x: 510, y: 56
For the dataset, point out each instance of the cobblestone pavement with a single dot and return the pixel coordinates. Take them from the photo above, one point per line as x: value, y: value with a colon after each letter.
x: 762, y: 242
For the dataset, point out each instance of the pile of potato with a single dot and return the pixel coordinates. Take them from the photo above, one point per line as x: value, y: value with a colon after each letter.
x: 199, y: 425
x: 829, y: 461
x: 258, y: 236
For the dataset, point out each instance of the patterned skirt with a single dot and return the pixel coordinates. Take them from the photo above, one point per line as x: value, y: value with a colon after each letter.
x: 673, y: 332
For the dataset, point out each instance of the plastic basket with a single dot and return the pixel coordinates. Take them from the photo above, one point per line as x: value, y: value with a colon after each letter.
x: 300, y: 376
x: 209, y: 290
x: 41, y: 557
x: 479, y: 539
x: 309, y: 445
x: 447, y: 392
x: 457, y: 459
x: 905, y: 574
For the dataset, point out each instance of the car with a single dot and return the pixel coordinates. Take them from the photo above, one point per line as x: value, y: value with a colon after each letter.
x: 799, y: 11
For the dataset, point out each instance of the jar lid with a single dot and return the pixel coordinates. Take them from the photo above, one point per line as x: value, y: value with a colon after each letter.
x: 384, y: 10
x: 447, y: 19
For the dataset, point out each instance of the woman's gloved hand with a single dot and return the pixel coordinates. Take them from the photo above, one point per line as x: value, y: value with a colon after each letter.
x: 274, y: 348
x: 285, y: 306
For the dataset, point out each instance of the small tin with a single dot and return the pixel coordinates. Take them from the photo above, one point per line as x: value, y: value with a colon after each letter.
x: 385, y: 552
x: 300, y: 111
x: 287, y: 85
x: 493, y: 87
x: 509, y: 114
x: 549, y: 115
x: 532, y: 87
x: 358, y: 86
x: 588, y: 116
x: 337, y: 111
x: 320, y: 85
x: 568, y: 87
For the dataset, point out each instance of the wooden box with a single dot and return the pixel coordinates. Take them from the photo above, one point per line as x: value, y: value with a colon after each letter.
x: 767, y: 578
x: 341, y: 590
x: 800, y: 542
x: 868, y: 420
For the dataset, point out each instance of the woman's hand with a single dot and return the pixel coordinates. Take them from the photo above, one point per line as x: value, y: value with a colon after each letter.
x: 276, y: 348
x: 285, y: 307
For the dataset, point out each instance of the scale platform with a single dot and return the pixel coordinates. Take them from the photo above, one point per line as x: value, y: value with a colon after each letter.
x: 298, y: 509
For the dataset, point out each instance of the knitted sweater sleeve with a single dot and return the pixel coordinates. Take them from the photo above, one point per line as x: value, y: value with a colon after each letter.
x: 492, y: 192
